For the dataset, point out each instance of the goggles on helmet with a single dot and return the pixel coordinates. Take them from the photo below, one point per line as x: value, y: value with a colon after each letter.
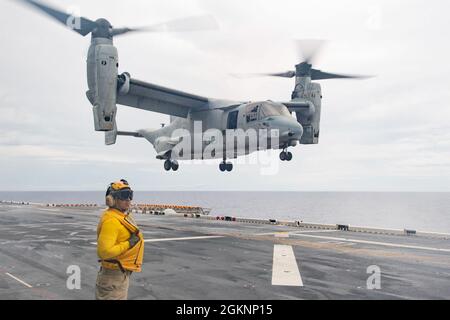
x: 126, y: 194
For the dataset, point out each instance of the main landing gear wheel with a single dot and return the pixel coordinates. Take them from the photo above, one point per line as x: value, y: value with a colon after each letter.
x: 289, y: 156
x: 167, y: 165
x: 171, y: 164
x: 225, y: 166
x: 175, y: 165
x: 285, y: 156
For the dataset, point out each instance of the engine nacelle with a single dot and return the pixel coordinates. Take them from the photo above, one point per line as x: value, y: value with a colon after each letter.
x: 309, y: 119
x: 123, y: 84
x: 102, y: 70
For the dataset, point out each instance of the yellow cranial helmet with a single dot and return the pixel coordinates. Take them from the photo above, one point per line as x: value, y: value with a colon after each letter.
x: 120, y: 190
x: 119, y: 185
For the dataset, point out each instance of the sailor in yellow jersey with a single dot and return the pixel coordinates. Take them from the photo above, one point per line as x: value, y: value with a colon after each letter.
x: 120, y: 244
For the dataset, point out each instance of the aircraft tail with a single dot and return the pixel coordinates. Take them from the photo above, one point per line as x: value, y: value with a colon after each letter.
x: 150, y: 134
x: 173, y: 118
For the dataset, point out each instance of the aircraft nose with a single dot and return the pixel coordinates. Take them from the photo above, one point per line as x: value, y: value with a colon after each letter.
x: 291, y: 129
x: 295, y: 130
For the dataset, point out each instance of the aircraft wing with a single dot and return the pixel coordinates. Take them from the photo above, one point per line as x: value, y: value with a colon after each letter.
x: 151, y: 97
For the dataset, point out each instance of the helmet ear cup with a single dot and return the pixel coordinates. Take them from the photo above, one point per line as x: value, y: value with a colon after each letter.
x: 110, y: 201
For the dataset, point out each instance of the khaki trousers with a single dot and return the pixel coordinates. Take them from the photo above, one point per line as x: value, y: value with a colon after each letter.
x: 112, y: 284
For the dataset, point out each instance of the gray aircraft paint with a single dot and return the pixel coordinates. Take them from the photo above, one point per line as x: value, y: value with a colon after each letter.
x: 107, y: 89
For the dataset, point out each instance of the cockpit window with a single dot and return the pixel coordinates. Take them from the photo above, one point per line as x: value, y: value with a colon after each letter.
x: 268, y: 109
x: 265, y: 109
x: 252, y: 113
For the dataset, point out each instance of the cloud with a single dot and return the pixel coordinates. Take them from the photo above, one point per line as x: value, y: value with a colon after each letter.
x: 387, y: 133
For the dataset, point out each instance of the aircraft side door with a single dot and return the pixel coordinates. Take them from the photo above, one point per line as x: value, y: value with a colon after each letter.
x: 232, y: 119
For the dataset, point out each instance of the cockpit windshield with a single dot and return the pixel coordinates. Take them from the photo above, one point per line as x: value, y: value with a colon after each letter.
x: 269, y: 109
x: 261, y: 110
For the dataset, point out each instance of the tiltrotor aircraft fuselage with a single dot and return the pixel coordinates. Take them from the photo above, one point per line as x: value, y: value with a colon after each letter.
x: 193, y: 115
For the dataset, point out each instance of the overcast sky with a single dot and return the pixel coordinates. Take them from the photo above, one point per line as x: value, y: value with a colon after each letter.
x: 389, y: 133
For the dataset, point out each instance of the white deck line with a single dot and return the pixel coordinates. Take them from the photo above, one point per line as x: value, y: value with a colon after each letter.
x: 386, y: 244
x: 178, y: 239
x: 184, y: 238
x: 285, y: 270
x: 293, y: 232
x: 17, y: 279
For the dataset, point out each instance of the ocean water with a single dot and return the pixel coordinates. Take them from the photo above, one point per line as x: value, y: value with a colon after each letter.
x: 398, y: 210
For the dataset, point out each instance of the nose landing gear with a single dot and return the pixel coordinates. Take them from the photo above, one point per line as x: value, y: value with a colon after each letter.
x: 285, y: 155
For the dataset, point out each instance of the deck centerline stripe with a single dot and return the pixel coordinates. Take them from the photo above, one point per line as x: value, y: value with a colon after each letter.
x: 285, y: 270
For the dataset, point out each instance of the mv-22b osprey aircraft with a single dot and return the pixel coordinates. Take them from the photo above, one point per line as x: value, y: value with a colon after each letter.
x: 107, y: 89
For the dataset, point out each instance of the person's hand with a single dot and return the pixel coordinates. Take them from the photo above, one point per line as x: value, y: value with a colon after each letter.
x: 133, y: 239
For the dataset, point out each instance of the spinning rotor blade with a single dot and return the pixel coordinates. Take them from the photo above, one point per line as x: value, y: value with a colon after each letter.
x: 319, y: 75
x: 308, y: 49
x: 85, y: 26
x: 287, y: 74
x: 193, y: 23
x: 80, y: 25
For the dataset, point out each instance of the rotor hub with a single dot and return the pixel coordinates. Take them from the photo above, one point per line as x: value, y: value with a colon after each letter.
x: 303, y: 69
x: 103, y: 29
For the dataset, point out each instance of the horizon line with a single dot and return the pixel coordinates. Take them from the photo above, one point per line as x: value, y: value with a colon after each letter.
x: 249, y: 190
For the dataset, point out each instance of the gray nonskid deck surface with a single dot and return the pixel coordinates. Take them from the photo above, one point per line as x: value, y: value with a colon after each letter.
x: 188, y: 258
